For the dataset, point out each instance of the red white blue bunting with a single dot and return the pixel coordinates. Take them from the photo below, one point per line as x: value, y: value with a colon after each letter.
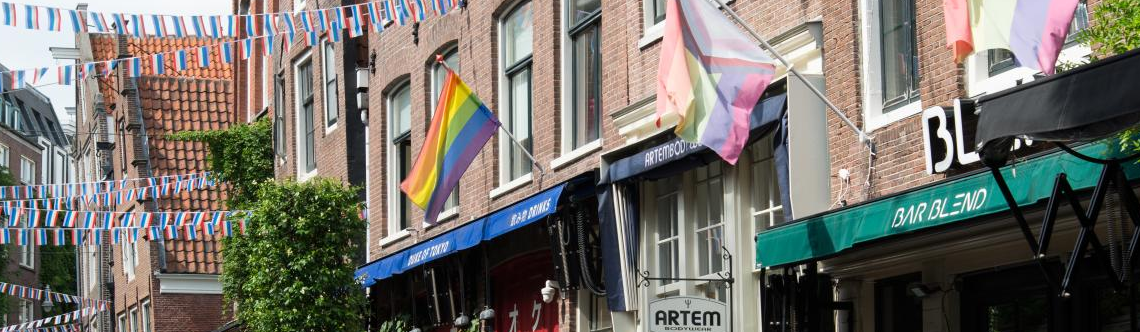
x: 73, y: 316
x: 40, y: 294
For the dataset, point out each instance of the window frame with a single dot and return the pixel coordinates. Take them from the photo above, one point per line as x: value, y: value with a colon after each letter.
x: 329, y: 77
x: 145, y: 316
x: 27, y: 171
x: 134, y: 318
x: 298, y: 105
x: 507, y: 74
x: 651, y: 31
x: 27, y: 311
x: 451, y: 206
x: 875, y: 111
x: 591, y: 24
x: 279, y: 138
x: 28, y: 256
x: 980, y: 81
x: 397, y: 227
x: 123, y: 322
x: 6, y: 157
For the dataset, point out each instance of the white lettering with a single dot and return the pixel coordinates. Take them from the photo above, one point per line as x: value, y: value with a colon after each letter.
x: 945, y: 144
x: 419, y: 256
x: 536, y: 312
x: 940, y: 208
x: 514, y: 314
x: 667, y: 151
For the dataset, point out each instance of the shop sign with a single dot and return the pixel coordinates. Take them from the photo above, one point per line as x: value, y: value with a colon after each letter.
x: 948, y: 136
x: 687, y: 314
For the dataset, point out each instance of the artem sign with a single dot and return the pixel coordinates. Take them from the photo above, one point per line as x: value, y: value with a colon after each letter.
x: 684, y: 313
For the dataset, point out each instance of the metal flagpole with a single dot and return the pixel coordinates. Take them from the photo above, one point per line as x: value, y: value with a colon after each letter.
x: 541, y: 172
x: 863, y: 137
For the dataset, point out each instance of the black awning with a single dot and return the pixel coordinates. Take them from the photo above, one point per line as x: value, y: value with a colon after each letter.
x: 681, y: 155
x: 1090, y: 102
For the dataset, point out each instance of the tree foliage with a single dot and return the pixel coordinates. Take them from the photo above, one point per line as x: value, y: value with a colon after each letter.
x: 298, y: 272
x: 57, y: 268
x: 1115, y: 28
x: 291, y: 270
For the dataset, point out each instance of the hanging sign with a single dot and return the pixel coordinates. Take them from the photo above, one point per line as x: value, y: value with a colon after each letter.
x: 687, y: 314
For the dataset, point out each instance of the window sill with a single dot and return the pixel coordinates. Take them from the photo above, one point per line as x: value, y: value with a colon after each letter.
x: 307, y: 176
x: 651, y: 35
x: 27, y: 267
x: 387, y: 241
x: 511, y: 186
x: 575, y: 155
x: 445, y: 216
x: 876, y: 121
x: 332, y: 128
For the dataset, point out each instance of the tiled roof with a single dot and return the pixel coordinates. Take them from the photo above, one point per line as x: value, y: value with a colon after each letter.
x: 172, y: 105
x: 105, y: 47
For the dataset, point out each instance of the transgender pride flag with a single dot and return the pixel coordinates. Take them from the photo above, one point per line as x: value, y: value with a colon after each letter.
x: 1033, y: 30
x: 710, y: 77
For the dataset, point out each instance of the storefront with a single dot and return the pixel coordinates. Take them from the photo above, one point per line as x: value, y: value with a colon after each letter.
x: 1044, y: 243
x: 518, y: 269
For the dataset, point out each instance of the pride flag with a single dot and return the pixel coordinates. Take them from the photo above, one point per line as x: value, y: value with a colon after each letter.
x: 459, y: 129
x: 711, y: 76
x: 1033, y: 30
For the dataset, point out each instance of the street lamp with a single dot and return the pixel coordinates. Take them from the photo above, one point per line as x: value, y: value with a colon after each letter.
x: 47, y: 304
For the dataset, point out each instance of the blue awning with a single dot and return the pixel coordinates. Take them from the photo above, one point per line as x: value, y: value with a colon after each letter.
x: 513, y: 217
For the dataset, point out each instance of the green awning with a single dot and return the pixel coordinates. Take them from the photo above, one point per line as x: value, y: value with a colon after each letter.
x: 942, y: 203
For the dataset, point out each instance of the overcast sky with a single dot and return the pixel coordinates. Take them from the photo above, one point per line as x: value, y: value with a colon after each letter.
x: 25, y: 49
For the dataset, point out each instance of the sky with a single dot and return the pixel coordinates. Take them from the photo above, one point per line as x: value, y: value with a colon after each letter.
x: 26, y: 49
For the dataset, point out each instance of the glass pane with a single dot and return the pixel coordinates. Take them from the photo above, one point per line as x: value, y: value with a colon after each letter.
x: 1080, y: 21
x: 439, y: 74
x: 518, y: 35
x: 581, y: 9
x: 897, y: 37
x: 519, y: 123
x: 587, y: 87
x: 406, y: 206
x: 401, y: 104
x: 658, y: 11
x: 999, y: 60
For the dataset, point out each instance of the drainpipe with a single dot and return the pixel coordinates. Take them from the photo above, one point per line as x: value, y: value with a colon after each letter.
x: 147, y: 170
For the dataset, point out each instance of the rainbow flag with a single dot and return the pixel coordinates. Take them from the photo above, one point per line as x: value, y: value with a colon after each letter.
x: 459, y: 129
x: 711, y: 75
x: 1033, y: 30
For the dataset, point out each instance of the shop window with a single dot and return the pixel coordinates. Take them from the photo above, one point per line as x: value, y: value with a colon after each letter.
x: 517, y: 47
x: 328, y: 57
x: 891, y: 73
x: 710, y: 219
x: 668, y: 234
x: 399, y: 158
x: 896, y: 310
x: 438, y: 76
x: 767, y: 209
x: 583, y: 118
x: 306, y: 158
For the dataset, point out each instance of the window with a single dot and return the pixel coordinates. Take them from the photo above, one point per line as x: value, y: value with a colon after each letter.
x: 890, y: 62
x: 28, y: 171
x: 1080, y: 21
x: 767, y: 209
x: 146, y: 314
x: 58, y: 167
x: 438, y: 76
x: 130, y: 259
x: 895, y: 309
x: 134, y: 320
x: 298, y: 5
x: 306, y: 160
x: 399, y: 157
x: 279, y: 117
x: 599, y: 314
x: 517, y: 32
x: 27, y: 311
x: 668, y: 231
x: 900, y: 53
x: 4, y: 153
x: 583, y: 118
x: 995, y: 70
x: 249, y: 105
x: 709, y: 219
x: 654, y: 12
x: 28, y: 256
x: 123, y: 323
x: 328, y: 56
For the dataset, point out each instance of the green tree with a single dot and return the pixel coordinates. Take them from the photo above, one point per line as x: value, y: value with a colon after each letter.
x: 6, y: 179
x: 290, y: 271
x: 1115, y: 29
x: 57, y: 268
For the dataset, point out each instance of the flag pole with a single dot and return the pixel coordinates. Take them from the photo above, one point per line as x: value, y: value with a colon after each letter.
x: 541, y: 171
x: 863, y: 137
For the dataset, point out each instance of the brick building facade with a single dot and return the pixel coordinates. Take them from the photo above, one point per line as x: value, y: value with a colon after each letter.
x: 123, y: 124
x: 502, y: 49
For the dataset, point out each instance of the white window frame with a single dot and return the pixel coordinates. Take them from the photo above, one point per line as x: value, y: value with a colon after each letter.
x: 27, y: 171
x: 395, y: 232
x: 249, y: 88
x: 593, y: 313
x: 5, y: 157
x: 146, y: 323
x: 506, y: 183
x: 130, y: 253
x: 651, y: 32
x: 871, y: 56
x: 123, y: 327
x: 266, y: 77
x: 329, y: 99
x: 299, y: 5
x: 134, y: 317
x: 570, y: 154
x: 681, y: 238
x: 28, y: 256
x: 979, y: 82
x: 453, y: 199
x: 302, y: 157
x: 27, y: 311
